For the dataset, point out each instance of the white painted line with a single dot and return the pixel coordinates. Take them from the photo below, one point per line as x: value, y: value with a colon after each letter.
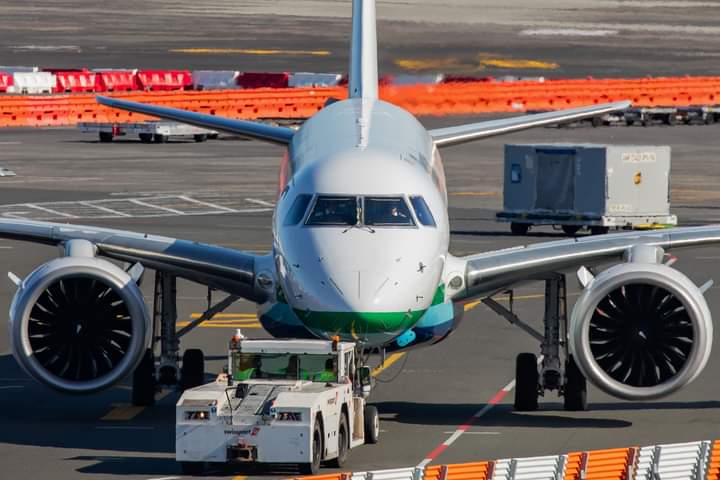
x: 568, y: 32
x: 9, y: 387
x: 49, y: 210
x: 207, y: 204
x: 10, y: 143
x: 475, y: 433
x: 257, y: 201
x: 165, y: 478
x: 150, y: 205
x: 5, y: 247
x: 121, y: 427
x: 105, y: 209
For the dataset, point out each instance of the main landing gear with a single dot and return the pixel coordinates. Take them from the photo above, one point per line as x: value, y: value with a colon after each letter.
x: 556, y: 369
x: 168, y: 370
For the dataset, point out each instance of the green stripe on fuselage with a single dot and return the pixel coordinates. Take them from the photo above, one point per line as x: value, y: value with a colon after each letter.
x: 359, y: 324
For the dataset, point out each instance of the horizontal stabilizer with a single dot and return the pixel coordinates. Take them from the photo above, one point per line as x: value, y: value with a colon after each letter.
x: 444, y: 137
x: 254, y: 130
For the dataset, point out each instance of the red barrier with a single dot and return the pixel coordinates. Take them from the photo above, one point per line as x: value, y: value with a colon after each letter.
x: 74, y: 81
x: 115, y: 81
x: 263, y: 80
x: 164, y: 79
x: 6, y: 80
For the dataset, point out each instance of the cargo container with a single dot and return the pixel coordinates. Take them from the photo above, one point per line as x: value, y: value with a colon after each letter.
x: 597, y: 187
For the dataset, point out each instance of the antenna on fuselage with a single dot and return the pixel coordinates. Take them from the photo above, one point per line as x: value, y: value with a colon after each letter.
x: 363, y: 81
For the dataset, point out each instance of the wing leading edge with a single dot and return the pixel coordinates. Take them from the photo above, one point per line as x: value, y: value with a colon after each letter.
x: 443, y: 137
x: 257, y: 131
x: 226, y: 269
x: 489, y: 272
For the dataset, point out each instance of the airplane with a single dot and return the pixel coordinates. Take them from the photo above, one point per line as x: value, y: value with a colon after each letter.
x: 360, y: 252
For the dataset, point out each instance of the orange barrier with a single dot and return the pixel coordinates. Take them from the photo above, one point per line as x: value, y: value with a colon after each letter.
x: 714, y: 464
x: 440, y: 99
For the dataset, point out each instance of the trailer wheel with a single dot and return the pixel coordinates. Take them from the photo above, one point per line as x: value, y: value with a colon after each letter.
x: 372, y: 424
x: 570, y: 230
x: 709, y: 119
x: 599, y: 230
x: 143, y: 381
x: 146, y: 137
x: 200, y: 137
x: 526, y: 383
x: 519, y: 228
x: 160, y: 138
x: 192, y: 373
x: 105, y: 137
x: 596, y: 122
x: 343, y: 437
x: 671, y: 119
x: 575, y: 396
x: 192, y: 468
x: 313, y: 467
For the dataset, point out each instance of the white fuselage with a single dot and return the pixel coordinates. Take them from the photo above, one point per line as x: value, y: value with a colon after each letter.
x: 363, y: 283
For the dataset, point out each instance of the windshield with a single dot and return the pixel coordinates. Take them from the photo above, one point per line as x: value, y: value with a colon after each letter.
x: 383, y: 211
x: 317, y: 368
x: 342, y: 211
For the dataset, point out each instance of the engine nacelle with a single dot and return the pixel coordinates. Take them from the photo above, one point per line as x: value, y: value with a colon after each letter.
x: 641, y: 331
x: 79, y: 324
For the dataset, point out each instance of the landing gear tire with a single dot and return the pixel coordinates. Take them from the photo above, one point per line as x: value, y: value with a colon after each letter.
x: 570, y: 230
x: 519, y: 228
x: 160, y: 138
x: 343, y: 436
x: 313, y: 467
x: 192, y: 468
x: 526, y: 383
x: 200, y: 137
x: 146, y: 137
x: 372, y: 424
x: 143, y: 381
x: 575, y: 398
x: 192, y: 373
x: 599, y: 230
x: 105, y: 137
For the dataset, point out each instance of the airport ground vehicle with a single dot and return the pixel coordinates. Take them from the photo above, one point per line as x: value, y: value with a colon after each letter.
x: 282, y: 401
x: 154, y: 131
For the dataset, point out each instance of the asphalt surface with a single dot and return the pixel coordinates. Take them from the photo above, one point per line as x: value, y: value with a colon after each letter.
x: 424, y: 396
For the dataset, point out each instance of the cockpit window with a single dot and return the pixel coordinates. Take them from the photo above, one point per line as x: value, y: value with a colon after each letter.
x: 297, y: 211
x: 422, y: 211
x: 334, y: 210
x: 384, y: 211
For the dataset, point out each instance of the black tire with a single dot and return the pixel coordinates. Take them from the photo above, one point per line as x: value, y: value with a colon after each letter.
x: 671, y: 119
x: 159, y: 138
x: 646, y: 122
x: 200, y: 137
x: 146, y: 137
x: 105, y: 137
x: 526, y: 383
x: 372, y: 424
x: 575, y: 397
x: 597, y: 122
x: 143, y: 381
x: 570, y: 230
x: 213, y: 136
x: 629, y: 122
x: 192, y: 468
x: 313, y: 467
x: 343, y: 443
x: 599, y: 230
x: 519, y: 228
x: 192, y: 373
x: 709, y: 119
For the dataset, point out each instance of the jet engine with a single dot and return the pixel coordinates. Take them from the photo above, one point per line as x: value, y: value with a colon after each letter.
x: 641, y: 331
x: 79, y: 324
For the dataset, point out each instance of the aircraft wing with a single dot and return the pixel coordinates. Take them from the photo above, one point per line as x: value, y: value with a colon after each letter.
x: 447, y: 136
x: 226, y: 269
x: 486, y: 273
x: 255, y: 130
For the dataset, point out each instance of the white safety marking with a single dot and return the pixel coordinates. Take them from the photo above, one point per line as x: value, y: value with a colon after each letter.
x: 49, y: 210
x: 149, y: 205
x: 10, y: 143
x: 5, y: 247
x: 568, y: 32
x: 105, y: 209
x: 475, y: 433
x: 257, y: 201
x: 122, y: 427
x: 207, y: 204
x: 165, y: 478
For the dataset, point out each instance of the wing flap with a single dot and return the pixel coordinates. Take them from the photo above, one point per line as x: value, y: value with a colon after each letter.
x: 255, y: 130
x: 444, y: 137
x: 489, y: 272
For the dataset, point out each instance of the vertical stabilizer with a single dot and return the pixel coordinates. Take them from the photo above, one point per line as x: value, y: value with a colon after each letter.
x: 363, y: 51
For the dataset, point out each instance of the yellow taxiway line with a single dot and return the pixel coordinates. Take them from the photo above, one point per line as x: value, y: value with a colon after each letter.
x: 388, y: 361
x: 124, y: 412
x: 251, y: 51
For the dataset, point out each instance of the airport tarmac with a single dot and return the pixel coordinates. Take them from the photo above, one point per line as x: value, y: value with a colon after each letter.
x: 423, y: 397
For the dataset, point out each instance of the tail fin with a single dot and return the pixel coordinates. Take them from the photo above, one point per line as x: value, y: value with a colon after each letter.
x: 363, y: 51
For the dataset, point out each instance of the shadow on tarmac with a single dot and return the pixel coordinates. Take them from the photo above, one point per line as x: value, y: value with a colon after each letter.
x: 502, y: 233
